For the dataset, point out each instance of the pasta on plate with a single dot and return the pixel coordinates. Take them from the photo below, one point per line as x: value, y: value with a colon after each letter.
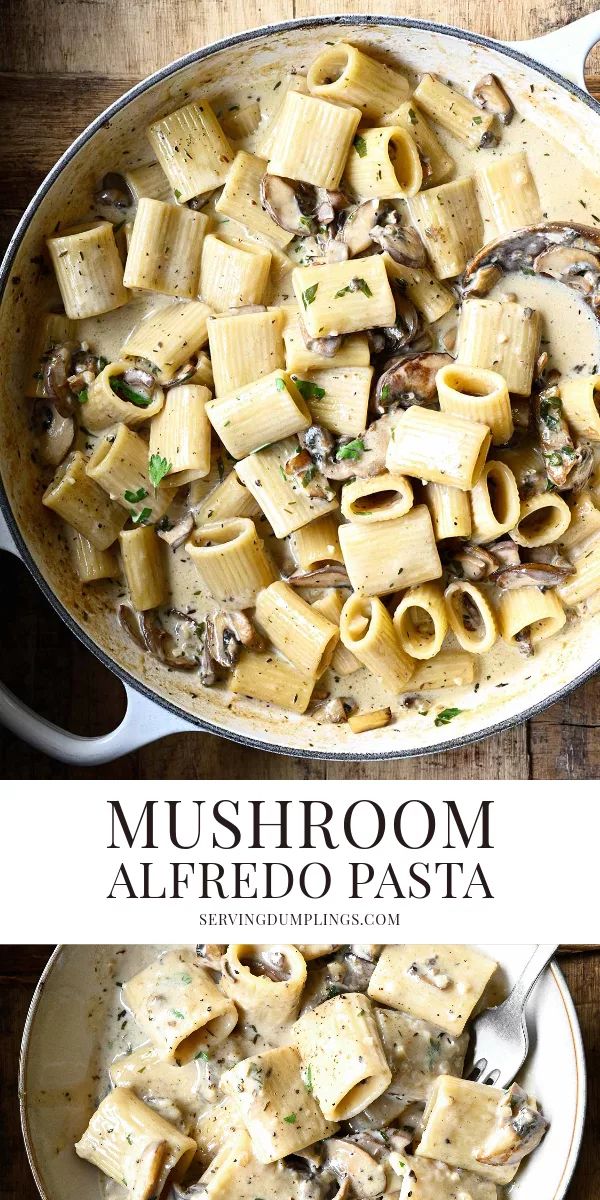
x: 320, y: 413
x: 313, y: 1072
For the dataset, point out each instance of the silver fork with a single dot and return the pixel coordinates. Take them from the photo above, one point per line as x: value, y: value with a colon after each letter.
x: 499, y: 1038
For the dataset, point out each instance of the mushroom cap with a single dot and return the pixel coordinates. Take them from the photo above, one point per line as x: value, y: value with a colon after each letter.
x: 57, y: 436
x: 279, y: 197
x: 358, y: 225
x: 410, y: 379
x: 489, y: 94
x: 530, y: 574
x: 348, y: 1161
x: 519, y: 249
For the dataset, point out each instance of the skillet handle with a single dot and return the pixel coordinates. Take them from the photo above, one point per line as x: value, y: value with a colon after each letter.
x: 565, y: 49
x: 144, y: 721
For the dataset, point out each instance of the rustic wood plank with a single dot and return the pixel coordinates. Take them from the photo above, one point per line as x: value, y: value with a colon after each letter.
x: 63, y: 64
x: 20, y: 967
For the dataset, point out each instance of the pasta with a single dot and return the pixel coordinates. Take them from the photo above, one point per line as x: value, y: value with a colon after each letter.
x: 340, y: 1043
x: 318, y: 401
x: 177, y: 1005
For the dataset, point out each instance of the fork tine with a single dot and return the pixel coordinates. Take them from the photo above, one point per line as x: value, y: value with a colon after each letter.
x: 492, y: 1078
x: 478, y: 1069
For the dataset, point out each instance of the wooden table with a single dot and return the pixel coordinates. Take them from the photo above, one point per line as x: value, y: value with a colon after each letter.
x: 20, y: 967
x: 62, y: 62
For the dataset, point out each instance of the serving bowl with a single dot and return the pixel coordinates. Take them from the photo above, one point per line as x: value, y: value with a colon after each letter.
x: 76, y: 997
x: 160, y: 701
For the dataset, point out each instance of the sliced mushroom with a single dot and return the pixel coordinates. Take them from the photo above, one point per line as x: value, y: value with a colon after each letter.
x: 580, y: 473
x: 302, y: 468
x: 519, y: 1129
x: 358, y: 225
x: 472, y: 562
x: 55, y: 377
x: 318, y: 442
x: 57, y: 434
x: 368, y: 452
x: 197, y: 202
x: 347, y: 1161
x: 524, y: 643
x: 327, y: 575
x: 560, y: 455
x: 530, y: 574
x: 226, y: 633
x: 149, y: 634
x: 210, y: 956
x: 409, y: 379
x: 208, y: 674
x: 279, y: 198
x: 393, y: 338
x: 506, y: 552
x: 331, y: 711
x: 401, y: 241
x: 175, y: 535
x: 182, y: 375
x: 482, y: 281
x: 326, y: 346
x: 489, y: 94
x: 114, y: 192
x: 533, y: 249
x: 319, y: 250
x: 140, y: 381
x: 577, y: 268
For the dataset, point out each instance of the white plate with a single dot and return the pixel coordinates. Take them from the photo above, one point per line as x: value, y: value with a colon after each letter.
x: 77, y: 994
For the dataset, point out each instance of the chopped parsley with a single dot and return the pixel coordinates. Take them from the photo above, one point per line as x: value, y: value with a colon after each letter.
x: 178, y: 1014
x: 308, y: 1083
x: 551, y: 411
x: 82, y: 396
x: 308, y: 476
x: 280, y: 384
x: 360, y: 146
x: 135, y: 497
x: 358, y: 284
x: 412, y: 116
x: 309, y: 390
x: 447, y: 715
x: 477, y: 120
x: 141, y: 517
x: 290, y: 1119
x: 203, y: 1054
x: 157, y: 469
x: 352, y: 450
x: 309, y: 295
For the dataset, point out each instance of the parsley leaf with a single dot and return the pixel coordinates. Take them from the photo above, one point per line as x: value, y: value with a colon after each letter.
x: 141, y: 517
x: 203, y: 1054
x: 412, y: 116
x: 157, y: 469
x: 309, y: 295
x: 125, y: 392
x: 177, y: 1013
x: 447, y: 715
x: 358, y: 284
x: 82, y: 396
x: 309, y: 390
x: 135, y: 497
x: 290, y: 1119
x: 351, y: 450
x: 280, y: 384
x: 360, y: 146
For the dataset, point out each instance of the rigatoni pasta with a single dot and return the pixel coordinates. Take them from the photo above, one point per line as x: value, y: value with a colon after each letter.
x: 501, y: 336
x: 301, y: 633
x: 268, y: 410
x: 313, y: 140
x: 346, y: 75
x: 385, y: 163
x: 245, y: 347
x: 192, y: 149
x: 180, y: 435
x: 84, y: 505
x: 164, y: 249
x: 449, y: 223
x: 179, y: 1007
x: 231, y: 562
x: 366, y: 630
x: 478, y: 394
x: 340, y: 1043
x: 383, y: 556
x: 438, y: 447
x: 141, y: 552
x: 88, y: 270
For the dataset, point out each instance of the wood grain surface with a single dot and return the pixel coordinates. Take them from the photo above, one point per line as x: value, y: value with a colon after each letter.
x: 61, y: 63
x: 20, y: 967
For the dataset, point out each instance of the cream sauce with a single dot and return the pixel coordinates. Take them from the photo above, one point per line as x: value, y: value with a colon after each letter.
x: 571, y: 337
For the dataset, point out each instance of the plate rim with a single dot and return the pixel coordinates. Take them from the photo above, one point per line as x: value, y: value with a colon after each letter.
x: 579, y: 1059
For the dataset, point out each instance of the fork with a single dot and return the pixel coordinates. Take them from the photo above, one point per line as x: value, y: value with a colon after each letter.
x: 499, y: 1035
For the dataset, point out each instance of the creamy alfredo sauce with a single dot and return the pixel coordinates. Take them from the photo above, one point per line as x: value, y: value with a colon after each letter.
x: 417, y: 1051
x: 570, y: 336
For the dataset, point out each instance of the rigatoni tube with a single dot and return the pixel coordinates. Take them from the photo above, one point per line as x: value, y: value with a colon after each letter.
x: 192, y: 150
x: 437, y: 163
x: 384, y: 163
x: 330, y: 604
x: 181, y: 433
x: 511, y: 193
x: 91, y: 564
x: 313, y: 140
x: 142, y: 553
x: 83, y: 504
x: 228, y: 499
x: 344, y: 74
x: 384, y: 556
x: 353, y: 352
x: 471, y: 617
x: 231, y: 562
x: 366, y: 630
x: 110, y: 400
x: 284, y: 498
x: 244, y: 348
x: 133, y: 1144
x: 269, y: 1088
x: 317, y: 543
x: 479, y: 394
x: 420, y: 620
x: 338, y: 398
x: 530, y: 611
x: 259, y: 413
x: 381, y: 498
x: 272, y: 679
x: 585, y: 578
x: 339, y: 1040
x: 261, y: 1000
x: 301, y: 633
x: 501, y: 336
x: 450, y: 510
x: 438, y: 447
x: 169, y: 336
x: 449, y: 668
x: 543, y: 518
x: 495, y: 504
x: 344, y: 296
x: 449, y: 224
x: 240, y: 199
x: 89, y: 271
x: 178, y: 1006
x: 233, y: 275
x: 165, y: 248
x: 455, y: 112
x: 120, y: 465
x: 581, y: 405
